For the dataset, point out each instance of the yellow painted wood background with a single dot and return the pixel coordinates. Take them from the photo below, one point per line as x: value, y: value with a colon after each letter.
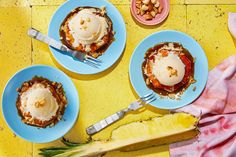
x: 109, y: 91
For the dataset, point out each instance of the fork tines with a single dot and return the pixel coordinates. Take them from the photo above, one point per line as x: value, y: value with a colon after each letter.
x: 148, y: 98
x: 92, y: 61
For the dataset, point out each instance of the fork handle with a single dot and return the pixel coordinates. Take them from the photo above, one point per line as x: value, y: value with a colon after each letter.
x: 33, y: 33
x: 105, y: 122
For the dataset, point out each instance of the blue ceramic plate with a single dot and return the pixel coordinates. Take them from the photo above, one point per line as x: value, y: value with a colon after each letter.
x: 200, y: 73
x: 31, y: 133
x: 113, y: 52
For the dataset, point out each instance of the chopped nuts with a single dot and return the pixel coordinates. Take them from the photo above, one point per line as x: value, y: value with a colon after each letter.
x: 81, y: 21
x: 160, y: 9
x: 85, y: 27
x: 148, y: 8
x: 155, y: 9
x: 192, y: 80
x: 157, y: 4
x: 40, y: 103
x: 88, y: 19
x: 173, y: 72
x: 144, y: 8
x: 138, y: 5
x: 146, y: 1
x: 103, y: 10
x: 154, y: 1
x: 142, y: 12
x: 153, y: 13
x: 26, y: 84
x: 148, y: 16
x: 138, y: 12
x: 147, y: 81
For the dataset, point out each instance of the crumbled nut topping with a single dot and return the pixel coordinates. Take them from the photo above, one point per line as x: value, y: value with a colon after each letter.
x: 81, y: 21
x: 103, y: 10
x: 88, y: 19
x: 85, y: 27
x: 40, y: 103
x: 173, y: 72
x: 191, y: 80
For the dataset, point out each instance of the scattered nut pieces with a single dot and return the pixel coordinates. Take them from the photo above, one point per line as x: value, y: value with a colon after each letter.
x: 85, y: 27
x: 153, y: 13
x: 148, y: 8
x: 172, y: 71
x: 142, y: 12
x: 160, y: 9
x: 138, y: 5
x: 103, y: 10
x: 81, y: 21
x: 144, y: 7
x: 40, y: 103
x: 88, y: 19
x: 148, y: 16
x: 157, y: 4
x: 146, y: 1
x: 155, y: 10
x: 147, y: 81
x: 154, y: 1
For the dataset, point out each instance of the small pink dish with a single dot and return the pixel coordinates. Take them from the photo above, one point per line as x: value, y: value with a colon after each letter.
x: 159, y: 17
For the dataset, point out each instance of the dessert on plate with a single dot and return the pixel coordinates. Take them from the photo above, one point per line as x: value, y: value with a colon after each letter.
x: 87, y: 29
x: 41, y: 102
x: 168, y: 68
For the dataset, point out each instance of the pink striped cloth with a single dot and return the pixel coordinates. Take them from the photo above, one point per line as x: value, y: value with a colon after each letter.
x: 217, y: 106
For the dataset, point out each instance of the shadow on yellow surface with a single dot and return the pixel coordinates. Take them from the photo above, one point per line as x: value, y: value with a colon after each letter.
x: 87, y: 77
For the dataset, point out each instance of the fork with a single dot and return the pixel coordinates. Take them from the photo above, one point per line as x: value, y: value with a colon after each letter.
x: 95, y: 128
x: 33, y: 33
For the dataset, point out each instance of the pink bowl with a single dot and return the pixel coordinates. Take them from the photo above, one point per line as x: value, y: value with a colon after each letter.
x: 159, y: 17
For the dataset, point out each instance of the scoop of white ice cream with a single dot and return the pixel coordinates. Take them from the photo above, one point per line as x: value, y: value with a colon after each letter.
x: 86, y: 27
x: 168, y: 70
x: 40, y: 102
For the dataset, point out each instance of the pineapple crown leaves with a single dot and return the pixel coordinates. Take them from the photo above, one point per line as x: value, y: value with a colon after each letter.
x: 70, y: 144
x: 54, y: 151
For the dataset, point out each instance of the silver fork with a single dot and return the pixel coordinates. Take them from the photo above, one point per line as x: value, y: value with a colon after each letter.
x: 33, y: 33
x: 95, y: 128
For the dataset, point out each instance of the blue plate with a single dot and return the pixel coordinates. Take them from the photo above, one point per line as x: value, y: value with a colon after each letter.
x: 200, y: 73
x: 31, y: 133
x: 113, y: 52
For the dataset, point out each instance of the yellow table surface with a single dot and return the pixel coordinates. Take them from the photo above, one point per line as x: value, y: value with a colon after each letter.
x: 104, y: 93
